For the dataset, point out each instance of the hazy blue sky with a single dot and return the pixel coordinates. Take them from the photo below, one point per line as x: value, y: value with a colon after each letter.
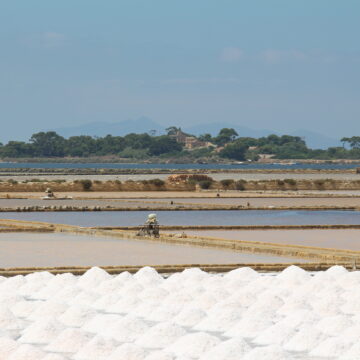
x: 276, y: 64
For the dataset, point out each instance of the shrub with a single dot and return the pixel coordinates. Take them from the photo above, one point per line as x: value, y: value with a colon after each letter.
x: 205, y: 184
x: 199, y: 177
x: 240, y: 185
x: 86, y: 184
x: 157, y: 182
x: 280, y: 182
x: 291, y: 182
x: 226, y: 183
x: 12, y: 182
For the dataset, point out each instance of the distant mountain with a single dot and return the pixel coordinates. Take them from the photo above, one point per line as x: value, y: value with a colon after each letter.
x: 315, y: 140
x: 214, y: 128
x: 141, y: 125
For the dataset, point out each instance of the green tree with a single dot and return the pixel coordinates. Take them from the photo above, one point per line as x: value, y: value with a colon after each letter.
x: 225, y: 136
x: 164, y: 144
x: 48, y: 144
x: 235, y: 151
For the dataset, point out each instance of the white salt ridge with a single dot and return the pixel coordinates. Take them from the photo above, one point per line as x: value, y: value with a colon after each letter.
x: 336, y: 271
x: 245, y: 274
x: 232, y: 349
x: 7, y: 346
x: 26, y: 352
x: 128, y: 352
x: 160, y: 355
x: 77, y: 315
x: 332, y: 347
x: 148, y: 276
x: 84, y: 298
x: 193, y: 345
x: 105, y: 301
x: 276, y: 334
x: 69, y: 341
x: 41, y: 332
x: 220, y: 320
x: 189, y: 316
x: 101, y: 323
x: 271, y: 352
x: 53, y: 357
x: 66, y: 293
x: 127, y: 329
x: 25, y: 308
x: 93, y: 278
x: 306, y: 339
x: 48, y: 309
x: 12, y: 284
x: 334, y: 325
x: 161, y: 335
x: 99, y: 348
x: 352, y: 353
x: 249, y: 327
x: 8, y: 320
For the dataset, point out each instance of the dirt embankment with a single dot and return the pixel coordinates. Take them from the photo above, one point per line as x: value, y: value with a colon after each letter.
x: 36, y: 185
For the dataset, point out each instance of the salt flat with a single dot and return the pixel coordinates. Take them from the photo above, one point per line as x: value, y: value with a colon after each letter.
x: 192, y: 315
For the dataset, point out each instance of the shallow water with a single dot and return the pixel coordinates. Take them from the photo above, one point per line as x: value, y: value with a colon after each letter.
x: 24, y: 250
x: 174, y: 166
x: 213, y: 217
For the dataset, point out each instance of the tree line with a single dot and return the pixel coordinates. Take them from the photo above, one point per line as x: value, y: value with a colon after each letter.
x: 226, y: 144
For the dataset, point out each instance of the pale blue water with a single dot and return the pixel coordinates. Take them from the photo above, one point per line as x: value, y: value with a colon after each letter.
x: 175, y: 166
x: 213, y: 217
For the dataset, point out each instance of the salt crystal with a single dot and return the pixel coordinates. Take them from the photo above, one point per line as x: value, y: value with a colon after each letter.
x: 128, y: 352
x: 69, y: 341
x: 332, y: 347
x: 271, y: 352
x: 41, y: 332
x: 99, y: 348
x: 232, y: 349
x: 305, y: 340
x: 161, y: 335
x: 26, y: 352
x: 193, y: 345
x: 7, y: 346
x: 77, y: 315
x: 92, y: 278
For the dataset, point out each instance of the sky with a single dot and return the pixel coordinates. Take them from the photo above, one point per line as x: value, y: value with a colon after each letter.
x: 265, y: 64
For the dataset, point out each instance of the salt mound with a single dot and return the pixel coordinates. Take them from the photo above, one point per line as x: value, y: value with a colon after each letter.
x: 57, y: 283
x: 39, y: 276
x: 124, y: 305
x: 336, y: 271
x: 128, y: 352
x: 154, y: 294
x: 249, y: 327
x: 12, y: 284
x: 300, y: 317
x: 66, y: 293
x: 77, y: 315
x: 233, y: 349
x: 161, y: 335
x: 26, y: 352
x: 165, y: 312
x: 160, y: 355
x: 271, y: 352
x: 8, y: 321
x: 189, y: 316
x: 106, y: 300
x: 7, y: 346
x: 127, y: 329
x: 53, y: 357
x: 41, y: 332
x: 9, y: 298
x: 93, y: 277
x: 99, y: 348
x: 276, y: 334
x: 332, y: 347
x: 245, y: 274
x: 148, y: 275
x: 101, y: 323
x: 352, y: 353
x: 124, y: 277
x: 193, y: 345
x: 293, y: 274
x: 84, y: 298
x: 334, y: 325
x: 48, y: 309
x: 305, y: 340
x: 193, y: 275
x: 69, y: 341
x: 23, y: 309
x: 220, y: 320
x: 109, y: 286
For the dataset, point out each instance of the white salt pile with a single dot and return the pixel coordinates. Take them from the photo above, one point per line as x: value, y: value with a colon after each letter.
x: 192, y: 315
x: 69, y: 341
